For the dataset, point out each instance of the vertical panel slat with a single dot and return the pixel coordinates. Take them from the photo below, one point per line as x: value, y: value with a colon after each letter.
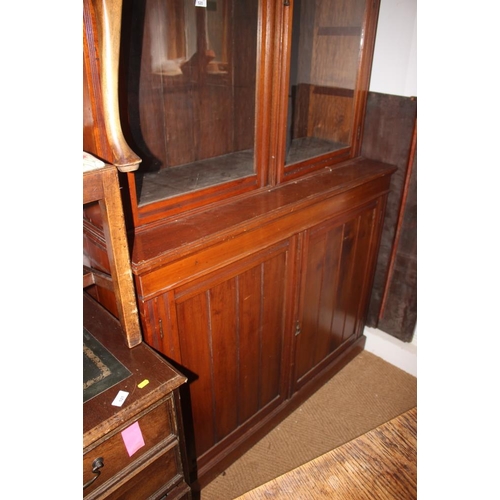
x: 356, y: 277
x: 345, y: 270
x: 309, y: 335
x: 368, y: 237
x: 250, y: 313
x: 359, y: 272
x: 193, y: 322
x: 224, y: 329
x: 170, y: 337
x: 273, y: 293
x: 327, y: 341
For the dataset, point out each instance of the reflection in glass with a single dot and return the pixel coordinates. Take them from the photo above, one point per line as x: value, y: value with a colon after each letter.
x: 191, y: 93
x: 326, y: 43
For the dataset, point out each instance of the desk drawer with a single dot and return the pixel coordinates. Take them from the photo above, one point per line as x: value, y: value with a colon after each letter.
x: 153, y: 479
x: 156, y: 425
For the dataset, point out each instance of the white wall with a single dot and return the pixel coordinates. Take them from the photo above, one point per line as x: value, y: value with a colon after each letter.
x: 394, y: 71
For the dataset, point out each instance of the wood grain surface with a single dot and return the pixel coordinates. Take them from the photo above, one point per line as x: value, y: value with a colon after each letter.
x: 381, y: 464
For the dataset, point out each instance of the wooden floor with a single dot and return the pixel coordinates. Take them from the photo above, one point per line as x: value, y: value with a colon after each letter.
x: 381, y: 464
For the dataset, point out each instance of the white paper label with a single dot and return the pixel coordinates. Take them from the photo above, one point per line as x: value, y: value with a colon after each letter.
x: 200, y: 3
x: 120, y: 398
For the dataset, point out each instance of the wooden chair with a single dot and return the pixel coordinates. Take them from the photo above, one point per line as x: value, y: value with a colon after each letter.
x: 102, y: 185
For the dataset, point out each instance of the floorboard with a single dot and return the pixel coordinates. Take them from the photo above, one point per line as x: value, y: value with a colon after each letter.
x: 381, y: 464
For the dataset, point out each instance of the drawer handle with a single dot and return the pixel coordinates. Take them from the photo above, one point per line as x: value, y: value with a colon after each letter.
x: 96, y: 465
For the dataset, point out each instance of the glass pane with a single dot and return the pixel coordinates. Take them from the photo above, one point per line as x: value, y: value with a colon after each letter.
x: 190, y: 74
x: 326, y: 43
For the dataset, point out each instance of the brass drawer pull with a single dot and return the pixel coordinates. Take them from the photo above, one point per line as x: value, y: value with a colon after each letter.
x: 96, y: 465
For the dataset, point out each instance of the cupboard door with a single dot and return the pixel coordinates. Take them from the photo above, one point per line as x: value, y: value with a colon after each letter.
x: 337, y: 270
x: 228, y: 334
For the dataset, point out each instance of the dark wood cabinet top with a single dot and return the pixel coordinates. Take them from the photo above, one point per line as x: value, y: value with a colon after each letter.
x: 99, y: 415
x: 166, y: 240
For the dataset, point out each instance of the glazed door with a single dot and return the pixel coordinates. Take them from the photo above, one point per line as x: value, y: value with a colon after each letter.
x: 325, y: 81
x: 192, y: 80
x: 337, y: 270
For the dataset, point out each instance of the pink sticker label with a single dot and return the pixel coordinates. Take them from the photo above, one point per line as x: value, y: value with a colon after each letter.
x: 132, y: 437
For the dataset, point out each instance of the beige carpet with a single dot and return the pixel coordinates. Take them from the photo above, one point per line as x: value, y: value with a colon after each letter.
x: 366, y: 393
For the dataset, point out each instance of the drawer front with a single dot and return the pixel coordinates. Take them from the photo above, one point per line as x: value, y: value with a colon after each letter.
x: 156, y: 426
x: 151, y: 480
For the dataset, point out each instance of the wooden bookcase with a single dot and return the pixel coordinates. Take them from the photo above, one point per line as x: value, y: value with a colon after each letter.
x: 255, y: 223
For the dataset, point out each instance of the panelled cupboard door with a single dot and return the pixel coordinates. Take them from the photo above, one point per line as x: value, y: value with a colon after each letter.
x: 227, y: 330
x: 337, y: 269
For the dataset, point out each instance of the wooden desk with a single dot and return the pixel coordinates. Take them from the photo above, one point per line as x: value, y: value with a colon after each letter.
x: 157, y: 467
x: 381, y: 464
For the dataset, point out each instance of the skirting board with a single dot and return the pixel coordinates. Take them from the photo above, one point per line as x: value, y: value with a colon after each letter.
x: 400, y: 354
